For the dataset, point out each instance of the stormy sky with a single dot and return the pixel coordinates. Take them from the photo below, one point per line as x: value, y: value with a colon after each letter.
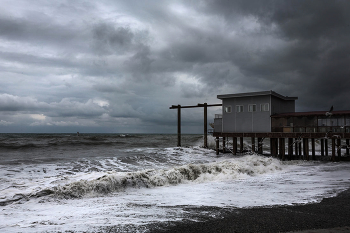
x: 113, y: 66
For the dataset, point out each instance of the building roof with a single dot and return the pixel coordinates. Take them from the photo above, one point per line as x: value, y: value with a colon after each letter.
x: 315, y: 113
x: 260, y: 93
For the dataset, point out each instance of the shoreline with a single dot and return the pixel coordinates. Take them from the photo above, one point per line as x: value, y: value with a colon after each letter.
x: 329, y: 215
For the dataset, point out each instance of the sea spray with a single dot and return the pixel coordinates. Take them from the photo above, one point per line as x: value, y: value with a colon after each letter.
x: 249, y: 165
x: 134, y: 180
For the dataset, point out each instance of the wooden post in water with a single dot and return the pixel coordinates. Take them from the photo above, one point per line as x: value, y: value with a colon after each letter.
x: 179, y: 125
x: 339, y: 148
x: 306, y: 148
x: 326, y: 146
x: 223, y: 144
x: 274, y: 147
x: 205, y: 125
x: 313, y: 149
x: 205, y: 106
x: 253, y: 144
x: 241, y: 144
x: 333, y: 149
x: 347, y: 146
x: 282, y: 148
x: 322, y: 147
x: 290, y: 148
x: 234, y: 145
x: 217, y: 145
x: 296, y: 145
x: 260, y: 146
x: 271, y: 146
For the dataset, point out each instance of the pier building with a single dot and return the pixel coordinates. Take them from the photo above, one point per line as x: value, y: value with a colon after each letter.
x: 270, y: 121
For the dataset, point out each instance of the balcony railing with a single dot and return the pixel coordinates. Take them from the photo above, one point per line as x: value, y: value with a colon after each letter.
x: 315, y: 129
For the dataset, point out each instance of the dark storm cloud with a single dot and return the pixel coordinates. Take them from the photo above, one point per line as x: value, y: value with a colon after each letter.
x: 125, y: 62
x: 321, y: 31
x: 110, y: 88
x: 140, y: 62
x: 313, y: 20
x: 16, y: 103
x: 43, y: 31
x: 30, y: 59
x: 314, y: 54
x: 68, y: 108
x: 108, y: 39
x: 64, y: 108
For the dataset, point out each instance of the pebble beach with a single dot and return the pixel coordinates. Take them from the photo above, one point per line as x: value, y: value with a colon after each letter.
x: 330, y: 215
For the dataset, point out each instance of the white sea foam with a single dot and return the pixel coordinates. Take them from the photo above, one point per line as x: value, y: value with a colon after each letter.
x: 231, y: 183
x: 26, y: 180
x: 147, y: 185
x: 229, y: 169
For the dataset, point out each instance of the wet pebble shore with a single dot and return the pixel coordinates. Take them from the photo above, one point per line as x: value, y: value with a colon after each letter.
x: 330, y: 215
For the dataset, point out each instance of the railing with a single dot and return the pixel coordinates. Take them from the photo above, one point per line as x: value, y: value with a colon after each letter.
x: 315, y: 129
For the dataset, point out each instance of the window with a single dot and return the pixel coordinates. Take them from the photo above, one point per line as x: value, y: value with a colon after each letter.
x: 252, y: 108
x: 265, y: 107
x: 228, y: 109
x: 239, y: 108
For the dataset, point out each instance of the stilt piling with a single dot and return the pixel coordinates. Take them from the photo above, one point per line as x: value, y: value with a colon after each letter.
x: 299, y: 145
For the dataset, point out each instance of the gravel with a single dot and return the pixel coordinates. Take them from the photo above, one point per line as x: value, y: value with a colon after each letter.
x: 330, y: 215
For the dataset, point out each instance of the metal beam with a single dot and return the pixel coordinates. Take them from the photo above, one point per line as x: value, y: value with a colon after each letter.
x: 205, y: 106
x: 205, y: 125
x: 284, y: 135
x: 179, y: 126
x: 194, y: 106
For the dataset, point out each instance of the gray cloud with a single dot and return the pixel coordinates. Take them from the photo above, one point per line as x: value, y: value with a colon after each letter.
x: 108, y: 39
x: 15, y: 103
x: 119, y: 65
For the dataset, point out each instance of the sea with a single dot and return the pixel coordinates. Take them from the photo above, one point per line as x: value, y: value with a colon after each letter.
x: 138, y: 182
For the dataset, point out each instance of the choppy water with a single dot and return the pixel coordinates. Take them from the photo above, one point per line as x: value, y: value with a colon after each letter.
x: 63, y: 182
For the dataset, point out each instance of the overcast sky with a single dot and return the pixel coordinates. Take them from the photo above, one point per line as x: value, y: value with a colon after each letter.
x: 117, y: 66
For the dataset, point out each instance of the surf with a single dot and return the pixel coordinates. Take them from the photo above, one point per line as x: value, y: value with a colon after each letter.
x: 230, y: 169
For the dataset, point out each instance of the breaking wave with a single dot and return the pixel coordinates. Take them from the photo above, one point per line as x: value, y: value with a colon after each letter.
x: 250, y: 165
